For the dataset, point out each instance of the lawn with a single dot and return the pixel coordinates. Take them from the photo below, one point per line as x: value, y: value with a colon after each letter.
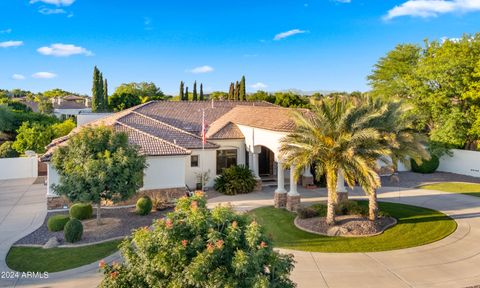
x: 58, y: 259
x: 416, y: 226
x: 471, y: 189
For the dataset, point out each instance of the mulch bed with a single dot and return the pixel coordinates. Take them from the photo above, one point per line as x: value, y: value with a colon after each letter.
x: 347, y: 225
x: 117, y: 222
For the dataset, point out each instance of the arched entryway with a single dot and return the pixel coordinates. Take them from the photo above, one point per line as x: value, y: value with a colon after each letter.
x: 266, y: 163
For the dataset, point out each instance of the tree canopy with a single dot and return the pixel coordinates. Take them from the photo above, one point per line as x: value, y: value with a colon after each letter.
x: 98, y: 164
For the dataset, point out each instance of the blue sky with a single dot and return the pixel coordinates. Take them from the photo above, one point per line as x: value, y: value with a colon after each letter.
x: 308, y: 45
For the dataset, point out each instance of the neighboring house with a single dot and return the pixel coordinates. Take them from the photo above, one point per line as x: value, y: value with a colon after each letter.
x: 71, y: 105
x: 170, y: 134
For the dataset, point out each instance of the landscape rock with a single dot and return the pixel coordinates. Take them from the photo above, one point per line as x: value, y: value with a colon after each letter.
x: 51, y: 243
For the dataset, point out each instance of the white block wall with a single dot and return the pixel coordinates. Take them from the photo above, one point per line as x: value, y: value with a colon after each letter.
x: 462, y: 162
x: 21, y: 167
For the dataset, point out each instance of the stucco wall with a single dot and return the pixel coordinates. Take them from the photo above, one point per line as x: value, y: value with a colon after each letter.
x: 20, y: 167
x: 162, y: 172
x: 262, y: 137
x: 165, y: 172
x: 462, y: 162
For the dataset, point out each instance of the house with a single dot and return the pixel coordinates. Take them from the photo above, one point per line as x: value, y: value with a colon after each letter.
x: 71, y: 105
x: 170, y: 134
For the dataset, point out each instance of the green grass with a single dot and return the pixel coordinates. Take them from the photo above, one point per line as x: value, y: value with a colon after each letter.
x: 416, y: 226
x: 471, y: 189
x: 37, y: 259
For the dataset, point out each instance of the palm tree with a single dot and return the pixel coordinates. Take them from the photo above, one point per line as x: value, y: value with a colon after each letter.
x: 399, y: 137
x: 335, y: 136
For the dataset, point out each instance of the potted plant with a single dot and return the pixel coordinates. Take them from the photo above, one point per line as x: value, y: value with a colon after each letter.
x: 205, y: 176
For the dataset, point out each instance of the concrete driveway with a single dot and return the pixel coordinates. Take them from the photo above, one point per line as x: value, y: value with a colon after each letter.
x: 22, y: 210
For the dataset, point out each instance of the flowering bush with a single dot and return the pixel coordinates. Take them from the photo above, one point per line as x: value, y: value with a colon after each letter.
x: 197, y: 247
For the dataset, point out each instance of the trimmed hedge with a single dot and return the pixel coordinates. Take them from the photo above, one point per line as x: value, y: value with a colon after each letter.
x: 57, y: 222
x: 73, y: 230
x: 235, y: 180
x: 427, y: 166
x: 144, y: 205
x: 81, y: 211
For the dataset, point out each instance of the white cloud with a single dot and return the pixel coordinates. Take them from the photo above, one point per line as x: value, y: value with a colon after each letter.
x: 147, y: 23
x: 48, y: 11
x: 6, y: 31
x: 54, y: 2
x: 201, y: 69
x: 18, y: 77
x: 289, y: 33
x: 7, y: 44
x: 343, y: 1
x: 432, y: 8
x: 44, y: 75
x: 259, y: 86
x: 63, y: 50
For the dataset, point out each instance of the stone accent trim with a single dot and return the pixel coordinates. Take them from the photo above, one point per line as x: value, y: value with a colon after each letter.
x: 307, y: 181
x: 280, y: 200
x: 293, y: 203
x: 342, y: 197
x: 258, y: 185
x: 160, y: 195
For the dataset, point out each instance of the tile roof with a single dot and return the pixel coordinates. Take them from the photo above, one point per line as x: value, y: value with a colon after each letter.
x: 173, y: 128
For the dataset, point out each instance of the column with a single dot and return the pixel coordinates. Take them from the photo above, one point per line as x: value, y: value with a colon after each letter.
x: 280, y: 198
x: 293, y: 198
x: 307, y: 177
x: 255, y: 165
x: 293, y: 183
x: 250, y: 160
x: 342, y: 193
x: 280, y: 179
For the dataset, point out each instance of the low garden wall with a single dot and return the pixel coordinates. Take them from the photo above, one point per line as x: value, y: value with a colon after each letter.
x: 462, y: 162
x: 20, y: 167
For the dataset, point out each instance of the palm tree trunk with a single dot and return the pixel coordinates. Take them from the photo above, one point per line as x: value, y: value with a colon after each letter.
x: 98, y: 213
x: 373, y: 206
x: 332, y: 199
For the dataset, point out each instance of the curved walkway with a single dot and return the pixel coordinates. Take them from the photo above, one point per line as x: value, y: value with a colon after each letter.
x: 451, y: 262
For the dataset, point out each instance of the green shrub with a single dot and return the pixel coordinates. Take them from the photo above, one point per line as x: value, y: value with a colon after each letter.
x: 320, y: 208
x: 144, y: 205
x: 198, y: 247
x: 427, y: 166
x: 306, y: 212
x: 73, y: 230
x: 351, y: 208
x: 57, y: 222
x: 6, y: 150
x: 235, y: 180
x: 81, y: 211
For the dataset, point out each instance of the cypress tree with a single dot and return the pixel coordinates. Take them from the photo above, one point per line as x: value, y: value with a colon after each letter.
x: 181, y: 95
x: 186, y: 93
x: 243, y: 94
x: 237, y: 91
x: 100, y: 96
x: 231, y: 92
x: 95, y: 91
x: 105, y: 93
x: 201, y: 92
x: 195, y: 91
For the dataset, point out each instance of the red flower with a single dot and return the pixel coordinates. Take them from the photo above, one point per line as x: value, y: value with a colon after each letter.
x: 114, y: 274
x: 184, y: 243
x: 169, y: 223
x: 263, y: 244
x: 101, y: 264
x: 210, y: 248
x: 194, y: 205
x: 219, y: 244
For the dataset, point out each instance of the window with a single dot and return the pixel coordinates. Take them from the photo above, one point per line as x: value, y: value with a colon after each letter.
x: 194, y: 161
x: 225, y: 159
